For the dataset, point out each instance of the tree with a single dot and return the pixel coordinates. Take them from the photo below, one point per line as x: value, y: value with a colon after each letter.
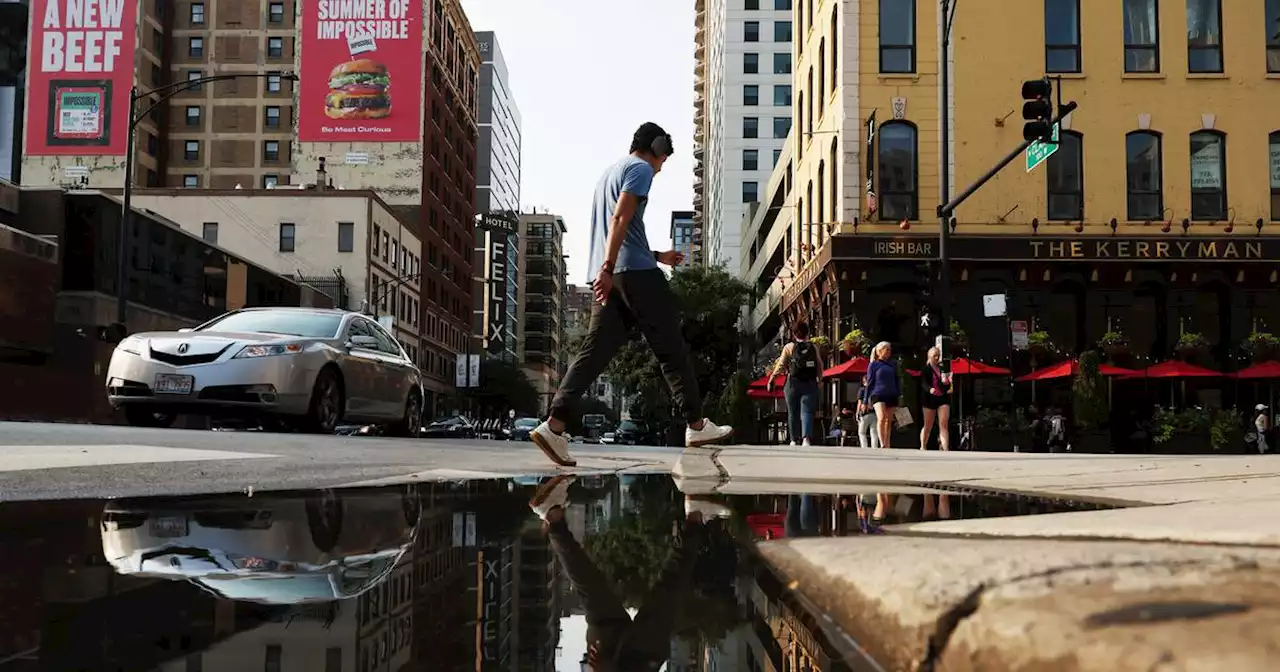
x: 503, y: 387
x: 736, y: 407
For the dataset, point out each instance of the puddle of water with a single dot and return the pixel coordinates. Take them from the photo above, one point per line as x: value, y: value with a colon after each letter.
x: 448, y: 576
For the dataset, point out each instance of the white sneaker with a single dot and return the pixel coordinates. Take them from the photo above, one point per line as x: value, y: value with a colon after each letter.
x: 556, y: 446
x: 710, y: 433
x: 805, y: 443
x: 707, y: 507
x: 792, y: 444
x: 554, y: 493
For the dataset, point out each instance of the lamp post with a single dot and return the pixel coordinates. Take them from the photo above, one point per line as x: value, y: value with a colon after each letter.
x: 944, y: 231
x: 126, y: 212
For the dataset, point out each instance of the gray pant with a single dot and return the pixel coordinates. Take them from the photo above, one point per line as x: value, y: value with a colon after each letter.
x: 641, y: 300
x: 868, y: 433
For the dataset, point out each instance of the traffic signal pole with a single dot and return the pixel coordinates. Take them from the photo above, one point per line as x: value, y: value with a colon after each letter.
x: 944, y: 231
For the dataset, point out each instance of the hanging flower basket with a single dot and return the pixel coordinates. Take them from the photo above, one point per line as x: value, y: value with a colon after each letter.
x: 1039, y: 346
x: 959, y: 344
x: 1115, y: 344
x: 1190, y: 346
x: 1261, y: 347
x: 822, y: 342
x: 855, y: 343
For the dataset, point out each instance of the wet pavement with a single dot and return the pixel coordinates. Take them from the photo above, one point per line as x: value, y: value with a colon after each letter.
x: 436, y: 576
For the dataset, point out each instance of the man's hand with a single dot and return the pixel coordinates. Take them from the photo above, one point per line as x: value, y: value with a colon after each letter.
x: 603, y: 286
x: 671, y: 258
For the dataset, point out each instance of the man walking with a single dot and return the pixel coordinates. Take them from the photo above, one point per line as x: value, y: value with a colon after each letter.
x: 630, y: 291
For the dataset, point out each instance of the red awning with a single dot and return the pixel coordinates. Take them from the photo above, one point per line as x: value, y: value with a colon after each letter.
x: 1175, y: 369
x: 1258, y: 371
x: 761, y: 382
x: 961, y: 366
x: 1070, y: 368
x: 851, y: 369
x: 765, y: 394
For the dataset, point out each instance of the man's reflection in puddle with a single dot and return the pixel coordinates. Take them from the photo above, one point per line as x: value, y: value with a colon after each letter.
x: 616, y: 641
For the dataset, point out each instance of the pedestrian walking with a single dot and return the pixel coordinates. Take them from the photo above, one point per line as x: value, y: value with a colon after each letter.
x: 630, y: 291
x: 803, y: 363
x: 936, y: 400
x: 868, y: 434
x: 883, y: 390
x: 1261, y: 426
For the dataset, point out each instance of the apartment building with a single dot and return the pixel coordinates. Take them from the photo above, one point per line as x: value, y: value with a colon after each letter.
x: 350, y: 242
x: 743, y: 100
x: 684, y: 238
x: 543, y: 294
x: 1147, y: 221
x: 497, y: 202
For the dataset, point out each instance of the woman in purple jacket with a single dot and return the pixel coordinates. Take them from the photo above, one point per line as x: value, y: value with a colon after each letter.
x: 882, y: 389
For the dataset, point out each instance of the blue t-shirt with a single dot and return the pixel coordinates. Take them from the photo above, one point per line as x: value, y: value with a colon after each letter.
x: 633, y: 176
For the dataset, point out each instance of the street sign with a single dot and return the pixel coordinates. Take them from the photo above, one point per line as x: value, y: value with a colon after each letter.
x: 1018, y: 332
x: 1038, y: 152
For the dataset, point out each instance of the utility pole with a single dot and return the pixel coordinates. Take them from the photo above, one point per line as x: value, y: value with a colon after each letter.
x: 944, y: 218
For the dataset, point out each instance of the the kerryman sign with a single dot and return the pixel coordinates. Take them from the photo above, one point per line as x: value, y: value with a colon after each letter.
x: 1093, y: 248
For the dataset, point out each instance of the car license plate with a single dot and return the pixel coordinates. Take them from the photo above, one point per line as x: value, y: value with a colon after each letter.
x: 169, y: 526
x: 168, y: 383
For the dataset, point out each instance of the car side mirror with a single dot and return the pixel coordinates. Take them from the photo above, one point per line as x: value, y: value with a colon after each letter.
x: 368, y: 342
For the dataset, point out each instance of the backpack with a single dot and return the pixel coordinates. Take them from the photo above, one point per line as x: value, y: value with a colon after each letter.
x: 1057, y: 430
x: 804, y: 362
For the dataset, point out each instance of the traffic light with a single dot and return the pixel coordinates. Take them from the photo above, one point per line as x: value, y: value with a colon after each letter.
x: 1037, y: 110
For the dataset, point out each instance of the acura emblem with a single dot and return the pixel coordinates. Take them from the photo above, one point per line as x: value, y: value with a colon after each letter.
x: 182, y: 349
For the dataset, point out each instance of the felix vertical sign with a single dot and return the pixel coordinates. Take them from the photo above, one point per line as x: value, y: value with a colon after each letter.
x: 81, y: 67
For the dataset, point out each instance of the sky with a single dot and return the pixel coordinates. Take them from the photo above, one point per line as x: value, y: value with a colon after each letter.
x: 585, y: 74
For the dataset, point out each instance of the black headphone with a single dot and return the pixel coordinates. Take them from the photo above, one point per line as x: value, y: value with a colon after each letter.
x: 661, y: 145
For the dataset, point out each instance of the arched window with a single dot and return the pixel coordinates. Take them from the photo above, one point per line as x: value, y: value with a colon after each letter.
x: 834, y: 189
x: 1065, y: 178
x: 808, y: 111
x: 1273, y: 166
x: 822, y: 78
x: 896, y: 155
x: 808, y: 216
x: 835, y: 45
x: 822, y: 202
x: 800, y: 128
x: 1144, y: 183
x: 1208, y: 175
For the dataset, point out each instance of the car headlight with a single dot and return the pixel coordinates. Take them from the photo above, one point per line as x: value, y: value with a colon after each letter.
x: 132, y: 345
x: 251, y: 351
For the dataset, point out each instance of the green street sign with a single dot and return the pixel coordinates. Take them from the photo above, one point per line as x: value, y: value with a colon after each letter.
x: 1038, y: 152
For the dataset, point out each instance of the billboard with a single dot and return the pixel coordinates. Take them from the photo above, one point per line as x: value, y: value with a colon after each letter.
x: 364, y: 81
x: 80, y: 69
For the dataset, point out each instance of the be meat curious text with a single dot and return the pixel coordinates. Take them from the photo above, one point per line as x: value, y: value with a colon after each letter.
x: 81, y: 35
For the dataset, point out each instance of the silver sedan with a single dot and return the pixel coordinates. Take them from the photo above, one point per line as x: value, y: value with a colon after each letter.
x: 314, y: 368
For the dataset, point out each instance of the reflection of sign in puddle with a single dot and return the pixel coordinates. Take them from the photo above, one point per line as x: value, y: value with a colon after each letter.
x: 1156, y: 612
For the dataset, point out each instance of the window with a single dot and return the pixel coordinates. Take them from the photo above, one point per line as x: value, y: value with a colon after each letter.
x: 1064, y: 176
x: 820, y: 94
x: 781, y: 126
x: 781, y: 31
x: 270, y: 181
x: 273, y: 83
x: 1204, y: 35
x: 782, y: 63
x: 833, y: 188
x: 752, y: 4
x: 191, y: 150
x: 271, y: 150
x: 835, y: 45
x: 781, y: 5
x: 751, y: 31
x: 193, y: 115
x: 287, y: 240
x: 275, y: 12
x: 782, y: 95
x: 1062, y: 36
x: 1141, y: 36
x: 190, y: 181
x: 346, y: 236
x: 209, y: 232
x: 1274, y: 163
x: 1143, y: 159
x: 275, y: 47
x: 777, y: 154
x: 197, y: 13
x: 750, y: 159
x: 1208, y: 175
x: 897, y: 36
x: 1272, y: 27
x: 750, y: 192
x: 193, y: 75
x: 898, y: 168
x: 272, y: 119
x: 751, y: 64
x: 195, y: 47
x: 750, y: 127
x: 750, y: 94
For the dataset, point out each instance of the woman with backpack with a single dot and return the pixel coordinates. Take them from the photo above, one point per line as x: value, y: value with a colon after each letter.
x: 803, y: 364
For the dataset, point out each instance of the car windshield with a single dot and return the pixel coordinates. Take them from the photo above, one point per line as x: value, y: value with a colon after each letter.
x: 629, y: 426
x: 288, y: 322
x: 593, y: 420
x: 526, y: 423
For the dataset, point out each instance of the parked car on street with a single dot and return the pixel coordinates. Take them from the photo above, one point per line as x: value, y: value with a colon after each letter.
x: 632, y: 433
x: 311, y: 368
x: 519, y: 430
x: 450, y: 427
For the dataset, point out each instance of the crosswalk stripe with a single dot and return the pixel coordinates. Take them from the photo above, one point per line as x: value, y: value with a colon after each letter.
x: 26, y: 458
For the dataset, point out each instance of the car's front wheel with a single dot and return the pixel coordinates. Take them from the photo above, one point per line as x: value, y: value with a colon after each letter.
x: 325, y: 412
x: 141, y: 416
x: 410, y: 426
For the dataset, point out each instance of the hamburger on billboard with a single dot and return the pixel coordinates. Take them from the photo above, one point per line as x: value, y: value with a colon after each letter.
x: 79, y: 72
x: 362, y: 80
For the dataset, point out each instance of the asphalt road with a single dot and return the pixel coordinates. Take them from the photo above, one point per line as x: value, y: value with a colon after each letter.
x: 54, y: 461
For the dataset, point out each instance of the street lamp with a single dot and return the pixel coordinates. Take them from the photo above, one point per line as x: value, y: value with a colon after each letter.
x: 126, y: 213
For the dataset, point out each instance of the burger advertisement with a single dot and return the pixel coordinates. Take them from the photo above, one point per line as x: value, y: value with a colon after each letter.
x: 361, y: 71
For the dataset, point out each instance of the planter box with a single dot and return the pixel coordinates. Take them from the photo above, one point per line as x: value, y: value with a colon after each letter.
x: 1001, y: 440
x: 1185, y: 444
x: 1094, y: 442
